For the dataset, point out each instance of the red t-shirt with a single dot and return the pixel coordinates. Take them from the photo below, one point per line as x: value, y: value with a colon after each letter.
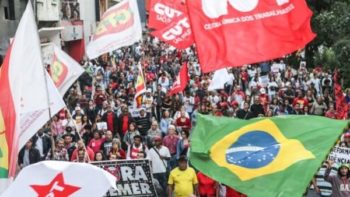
x: 95, y: 145
x: 206, y: 185
x: 125, y: 124
x: 301, y: 101
x: 110, y: 124
x: 233, y: 193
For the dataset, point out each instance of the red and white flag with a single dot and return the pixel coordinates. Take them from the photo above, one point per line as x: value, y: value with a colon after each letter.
x: 120, y: 26
x: 177, y: 34
x: 234, y: 33
x: 164, y: 12
x: 140, y: 85
x: 181, y: 81
x: 64, y: 70
x: 61, y: 179
x: 24, y: 90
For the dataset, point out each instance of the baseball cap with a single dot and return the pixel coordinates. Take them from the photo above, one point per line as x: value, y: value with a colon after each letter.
x: 345, y: 165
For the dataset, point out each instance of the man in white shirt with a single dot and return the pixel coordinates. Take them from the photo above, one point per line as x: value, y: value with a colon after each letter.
x: 159, y: 155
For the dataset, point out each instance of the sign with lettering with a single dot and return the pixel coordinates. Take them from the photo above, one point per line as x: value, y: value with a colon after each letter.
x: 134, y: 177
x: 340, y: 155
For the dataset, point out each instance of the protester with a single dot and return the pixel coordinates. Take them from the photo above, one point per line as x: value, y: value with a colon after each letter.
x: 159, y: 155
x: 340, y: 182
x: 103, y: 112
x: 58, y: 152
x: 42, y: 142
x: 170, y: 141
x: 28, y: 155
x: 207, y: 187
x: 182, y: 180
x: 137, y: 150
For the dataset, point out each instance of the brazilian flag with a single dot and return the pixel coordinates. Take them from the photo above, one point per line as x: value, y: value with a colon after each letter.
x: 263, y: 157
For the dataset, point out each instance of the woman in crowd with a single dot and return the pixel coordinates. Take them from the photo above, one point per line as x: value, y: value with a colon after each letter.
x: 182, y: 145
x: 130, y: 134
x: 96, y: 142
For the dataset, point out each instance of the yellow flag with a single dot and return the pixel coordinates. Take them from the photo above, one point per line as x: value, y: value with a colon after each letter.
x: 3, y: 147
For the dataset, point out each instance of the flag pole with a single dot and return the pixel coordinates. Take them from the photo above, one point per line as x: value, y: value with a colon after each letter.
x: 80, y: 138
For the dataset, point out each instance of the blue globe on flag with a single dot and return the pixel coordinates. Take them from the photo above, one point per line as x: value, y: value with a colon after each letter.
x: 253, y: 150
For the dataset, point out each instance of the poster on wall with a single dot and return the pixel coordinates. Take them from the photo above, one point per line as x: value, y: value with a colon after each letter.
x: 70, y: 10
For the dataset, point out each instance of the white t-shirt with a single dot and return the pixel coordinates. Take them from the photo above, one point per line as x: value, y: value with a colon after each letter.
x: 272, y: 84
x: 188, y: 104
x: 158, y: 165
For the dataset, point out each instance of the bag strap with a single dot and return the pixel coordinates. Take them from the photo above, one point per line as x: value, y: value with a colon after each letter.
x: 159, y: 156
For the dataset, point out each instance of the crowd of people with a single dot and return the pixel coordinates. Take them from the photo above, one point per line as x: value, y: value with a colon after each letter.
x: 101, y: 121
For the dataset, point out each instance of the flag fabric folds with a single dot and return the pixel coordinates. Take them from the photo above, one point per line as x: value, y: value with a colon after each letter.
x: 164, y: 12
x: 181, y: 81
x: 234, y: 33
x: 140, y: 85
x: 263, y: 156
x: 171, y: 23
x: 120, y: 26
x: 58, y: 178
x: 340, y: 104
x: 177, y: 34
x: 24, y: 109
x: 219, y: 79
x: 64, y: 70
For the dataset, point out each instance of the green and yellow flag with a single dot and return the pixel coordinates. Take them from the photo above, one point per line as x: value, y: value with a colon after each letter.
x: 264, y: 157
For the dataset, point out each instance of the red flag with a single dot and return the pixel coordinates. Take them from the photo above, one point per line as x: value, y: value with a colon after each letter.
x: 233, y: 33
x: 164, y: 12
x: 340, y: 105
x: 177, y: 34
x: 181, y: 81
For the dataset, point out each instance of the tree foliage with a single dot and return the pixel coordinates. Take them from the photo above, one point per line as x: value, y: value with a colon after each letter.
x: 331, y: 48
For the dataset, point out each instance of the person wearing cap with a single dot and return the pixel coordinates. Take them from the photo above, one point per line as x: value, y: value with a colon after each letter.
x: 159, y: 155
x: 340, y: 182
x: 147, y: 101
x: 182, y: 180
x: 346, y: 139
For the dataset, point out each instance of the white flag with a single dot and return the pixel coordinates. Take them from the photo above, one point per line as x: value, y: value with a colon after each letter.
x: 219, y: 79
x: 64, y: 70
x: 24, y: 90
x: 120, y: 26
x: 58, y: 178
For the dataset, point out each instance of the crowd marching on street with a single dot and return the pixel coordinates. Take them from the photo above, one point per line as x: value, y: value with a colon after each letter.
x: 103, y: 121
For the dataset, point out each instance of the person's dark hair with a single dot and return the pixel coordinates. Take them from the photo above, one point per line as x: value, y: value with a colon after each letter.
x: 339, y: 174
x: 138, y: 137
x: 99, y: 152
x: 186, y: 133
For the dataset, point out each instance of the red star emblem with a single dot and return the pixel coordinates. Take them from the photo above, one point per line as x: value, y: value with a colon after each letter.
x: 56, y: 188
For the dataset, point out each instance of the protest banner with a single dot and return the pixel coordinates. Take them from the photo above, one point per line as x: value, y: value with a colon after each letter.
x: 340, y: 155
x: 134, y: 177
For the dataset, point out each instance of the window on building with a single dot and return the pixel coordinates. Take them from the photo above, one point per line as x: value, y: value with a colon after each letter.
x: 9, y: 10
